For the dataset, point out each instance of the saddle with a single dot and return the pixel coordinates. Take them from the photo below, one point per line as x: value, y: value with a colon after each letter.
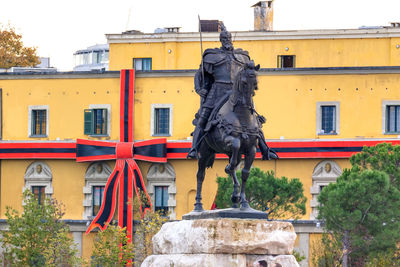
x: 212, y: 120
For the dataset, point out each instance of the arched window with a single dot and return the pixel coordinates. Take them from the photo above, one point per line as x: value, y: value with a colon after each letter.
x: 325, y: 172
x: 38, y: 179
x: 95, y: 181
x: 161, y: 187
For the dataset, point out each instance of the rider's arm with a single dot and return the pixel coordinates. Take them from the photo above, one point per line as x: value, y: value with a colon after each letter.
x: 201, y: 86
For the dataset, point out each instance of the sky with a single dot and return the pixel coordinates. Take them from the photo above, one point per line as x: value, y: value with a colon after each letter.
x: 58, y: 28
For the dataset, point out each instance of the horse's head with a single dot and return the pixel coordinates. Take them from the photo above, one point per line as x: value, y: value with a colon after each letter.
x: 246, y: 83
x: 249, y: 75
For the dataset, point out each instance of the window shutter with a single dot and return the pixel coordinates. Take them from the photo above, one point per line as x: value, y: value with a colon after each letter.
x: 33, y: 123
x: 105, y: 121
x: 88, y: 123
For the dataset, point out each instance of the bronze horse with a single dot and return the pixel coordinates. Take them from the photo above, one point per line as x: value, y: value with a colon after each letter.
x: 233, y: 131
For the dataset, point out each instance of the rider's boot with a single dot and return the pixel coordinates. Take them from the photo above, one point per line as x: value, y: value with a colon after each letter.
x: 199, y: 132
x: 266, y: 153
x: 264, y: 149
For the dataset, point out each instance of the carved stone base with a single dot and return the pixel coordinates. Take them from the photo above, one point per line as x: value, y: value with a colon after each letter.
x: 219, y: 260
x: 238, y: 213
x: 223, y: 242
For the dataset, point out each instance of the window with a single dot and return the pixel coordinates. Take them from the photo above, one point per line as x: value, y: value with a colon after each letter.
x: 95, y: 180
x: 38, y: 119
x: 161, y: 188
x: 97, y: 194
x: 392, y: 119
x: 38, y: 192
x: 324, y: 173
x: 391, y: 116
x: 97, y: 120
x: 161, y: 120
x: 38, y: 179
x: 143, y: 64
x: 39, y: 122
x: 286, y: 61
x: 327, y: 118
x: 161, y: 199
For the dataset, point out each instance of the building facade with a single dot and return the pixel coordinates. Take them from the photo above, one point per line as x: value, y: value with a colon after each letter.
x: 325, y: 94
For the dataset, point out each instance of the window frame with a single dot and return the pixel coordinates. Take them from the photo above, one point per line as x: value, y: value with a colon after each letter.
x: 30, y: 120
x: 108, y: 119
x: 152, y: 120
x: 163, y: 174
x: 280, y: 61
x: 142, y: 59
x: 319, y: 117
x: 321, y: 178
x: 385, y: 105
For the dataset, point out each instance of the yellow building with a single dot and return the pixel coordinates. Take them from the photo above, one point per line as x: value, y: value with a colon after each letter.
x: 325, y: 94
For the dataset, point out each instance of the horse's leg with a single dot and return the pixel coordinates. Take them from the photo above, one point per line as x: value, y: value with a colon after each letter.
x: 248, y: 161
x: 230, y: 170
x: 205, y: 155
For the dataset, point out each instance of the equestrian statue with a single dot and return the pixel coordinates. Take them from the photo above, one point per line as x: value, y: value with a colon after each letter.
x: 227, y: 121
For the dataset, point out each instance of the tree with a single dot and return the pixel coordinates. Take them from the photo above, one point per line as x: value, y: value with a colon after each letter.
x: 13, y: 53
x: 148, y: 227
x: 38, y: 237
x: 282, y: 197
x: 111, y: 247
x: 362, y: 211
x: 383, y: 157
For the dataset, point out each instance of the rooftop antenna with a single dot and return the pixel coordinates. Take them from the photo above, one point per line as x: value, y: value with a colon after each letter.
x: 128, y: 20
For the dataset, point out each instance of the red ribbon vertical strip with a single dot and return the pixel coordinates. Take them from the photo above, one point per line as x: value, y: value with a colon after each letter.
x: 131, y: 106
x: 122, y: 107
x: 126, y: 105
x: 125, y: 212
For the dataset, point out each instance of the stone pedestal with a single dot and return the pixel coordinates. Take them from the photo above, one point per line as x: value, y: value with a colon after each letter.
x: 223, y: 242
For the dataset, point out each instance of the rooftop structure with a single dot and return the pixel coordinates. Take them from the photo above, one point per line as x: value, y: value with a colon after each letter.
x: 92, y: 58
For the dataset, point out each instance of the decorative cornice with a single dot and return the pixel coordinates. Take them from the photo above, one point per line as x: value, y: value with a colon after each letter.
x: 59, y: 75
x: 384, y: 32
x: 191, y: 73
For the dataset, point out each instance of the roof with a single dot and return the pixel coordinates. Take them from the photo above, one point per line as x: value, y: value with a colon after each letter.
x: 380, y: 32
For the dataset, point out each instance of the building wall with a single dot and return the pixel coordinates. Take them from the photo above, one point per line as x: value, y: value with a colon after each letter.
x: 169, y: 53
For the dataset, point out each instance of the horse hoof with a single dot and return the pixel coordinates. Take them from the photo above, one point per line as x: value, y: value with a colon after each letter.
x: 244, y: 205
x: 235, y: 199
x: 198, y: 207
x: 229, y: 170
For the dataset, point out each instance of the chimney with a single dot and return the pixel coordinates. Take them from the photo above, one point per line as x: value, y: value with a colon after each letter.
x: 210, y: 25
x: 263, y: 15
